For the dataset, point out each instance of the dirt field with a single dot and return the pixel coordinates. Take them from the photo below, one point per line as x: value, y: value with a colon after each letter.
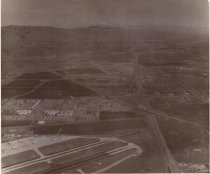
x: 38, y: 75
x: 105, y: 115
x: 22, y: 83
x: 89, y: 128
x: 84, y: 71
x: 59, y: 89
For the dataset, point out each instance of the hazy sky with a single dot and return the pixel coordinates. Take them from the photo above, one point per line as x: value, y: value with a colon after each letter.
x: 76, y: 13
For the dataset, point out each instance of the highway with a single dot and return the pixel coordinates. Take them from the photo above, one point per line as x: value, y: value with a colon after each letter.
x: 170, y: 164
x: 157, y: 135
x: 168, y: 161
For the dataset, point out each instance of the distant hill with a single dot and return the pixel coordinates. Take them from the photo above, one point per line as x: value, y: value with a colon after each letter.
x: 74, y: 39
x: 24, y: 47
x: 93, y: 37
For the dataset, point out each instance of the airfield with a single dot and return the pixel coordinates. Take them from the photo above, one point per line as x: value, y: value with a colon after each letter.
x: 65, y: 153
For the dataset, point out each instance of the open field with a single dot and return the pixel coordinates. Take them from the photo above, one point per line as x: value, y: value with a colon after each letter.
x: 28, y: 88
x: 187, y: 111
x: 38, y: 75
x: 82, y: 71
x: 89, y: 127
x: 104, y: 115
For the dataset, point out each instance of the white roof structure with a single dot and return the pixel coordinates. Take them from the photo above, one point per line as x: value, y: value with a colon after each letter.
x: 41, y: 122
x: 23, y: 112
x: 51, y: 112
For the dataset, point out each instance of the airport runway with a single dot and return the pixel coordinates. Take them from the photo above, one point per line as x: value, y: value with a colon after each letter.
x: 113, y: 149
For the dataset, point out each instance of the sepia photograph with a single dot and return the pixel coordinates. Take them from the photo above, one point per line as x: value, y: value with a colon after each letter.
x: 104, y: 86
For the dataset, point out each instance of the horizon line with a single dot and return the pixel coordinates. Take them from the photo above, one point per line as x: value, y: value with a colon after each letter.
x: 108, y: 25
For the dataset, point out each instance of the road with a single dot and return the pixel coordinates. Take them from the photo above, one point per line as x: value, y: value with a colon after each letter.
x: 157, y: 135
x: 170, y: 165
